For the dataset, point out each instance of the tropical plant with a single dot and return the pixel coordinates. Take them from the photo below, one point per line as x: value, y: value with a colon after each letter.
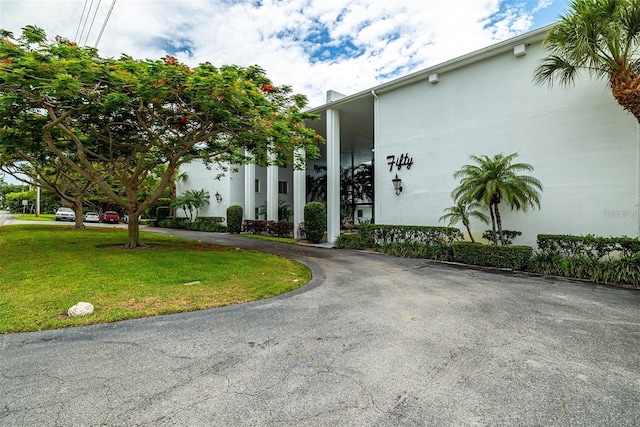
x: 173, y: 190
x: 600, y: 37
x: 463, y: 211
x: 199, y: 199
x: 493, y: 180
x: 284, y: 210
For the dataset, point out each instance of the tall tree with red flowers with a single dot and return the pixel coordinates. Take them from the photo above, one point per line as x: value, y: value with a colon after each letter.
x: 120, y: 119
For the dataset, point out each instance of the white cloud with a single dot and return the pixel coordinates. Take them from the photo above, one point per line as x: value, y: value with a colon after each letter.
x: 387, y: 39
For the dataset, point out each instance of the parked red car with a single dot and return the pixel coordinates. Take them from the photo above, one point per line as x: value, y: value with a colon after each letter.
x: 111, y: 216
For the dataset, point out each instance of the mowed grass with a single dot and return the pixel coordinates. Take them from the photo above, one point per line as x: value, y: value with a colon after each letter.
x: 45, y: 269
x: 33, y: 217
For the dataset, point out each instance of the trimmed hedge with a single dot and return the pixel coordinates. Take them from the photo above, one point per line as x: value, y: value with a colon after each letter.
x: 507, y: 236
x: 315, y: 221
x: 588, y: 246
x: 162, y: 212
x: 381, y: 234
x: 513, y: 257
x: 234, y: 219
x: 210, y: 224
x: 610, y: 260
x: 280, y: 228
x: 272, y: 228
x: 255, y: 226
x: 440, y: 252
x: 350, y: 241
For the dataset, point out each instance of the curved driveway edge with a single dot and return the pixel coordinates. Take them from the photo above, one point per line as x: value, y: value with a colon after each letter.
x: 371, y: 341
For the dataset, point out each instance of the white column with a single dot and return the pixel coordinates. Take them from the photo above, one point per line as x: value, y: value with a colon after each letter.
x: 272, y: 192
x: 299, y: 189
x: 333, y: 175
x: 249, y: 191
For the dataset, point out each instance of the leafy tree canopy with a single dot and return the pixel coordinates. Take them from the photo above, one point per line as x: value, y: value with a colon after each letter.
x: 119, y: 119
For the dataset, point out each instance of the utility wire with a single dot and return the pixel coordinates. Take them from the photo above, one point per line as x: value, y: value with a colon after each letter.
x: 86, y: 19
x: 92, y: 21
x: 105, y: 23
x: 80, y: 22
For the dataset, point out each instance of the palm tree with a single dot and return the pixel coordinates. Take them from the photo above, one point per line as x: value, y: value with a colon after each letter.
x: 464, y: 211
x: 199, y: 199
x: 493, y: 180
x: 601, y: 37
x: 173, y: 189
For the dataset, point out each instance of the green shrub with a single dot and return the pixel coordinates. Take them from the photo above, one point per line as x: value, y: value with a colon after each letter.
x: 588, y: 246
x: 513, y: 257
x: 280, y: 228
x: 315, y: 221
x: 440, y: 252
x: 350, y: 241
x: 507, y: 236
x: 162, y: 212
x: 255, y: 226
x: 234, y: 219
x: 381, y: 234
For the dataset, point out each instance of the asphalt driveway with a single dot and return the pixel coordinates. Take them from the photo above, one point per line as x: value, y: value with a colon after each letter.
x: 370, y: 341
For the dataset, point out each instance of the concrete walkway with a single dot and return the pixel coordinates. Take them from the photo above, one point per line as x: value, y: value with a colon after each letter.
x: 370, y: 341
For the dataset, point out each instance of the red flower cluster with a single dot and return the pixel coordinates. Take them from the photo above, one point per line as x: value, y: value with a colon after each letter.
x: 170, y: 60
x: 266, y: 88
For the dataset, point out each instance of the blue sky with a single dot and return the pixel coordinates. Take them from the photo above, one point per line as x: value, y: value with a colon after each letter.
x: 311, y: 45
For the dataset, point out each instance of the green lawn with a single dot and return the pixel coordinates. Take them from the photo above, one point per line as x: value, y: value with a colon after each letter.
x: 270, y: 238
x: 45, y: 269
x: 33, y: 217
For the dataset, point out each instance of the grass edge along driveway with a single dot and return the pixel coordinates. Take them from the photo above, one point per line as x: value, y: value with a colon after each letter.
x: 45, y: 269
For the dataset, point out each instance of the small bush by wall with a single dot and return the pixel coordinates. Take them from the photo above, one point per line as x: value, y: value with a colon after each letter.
x: 507, y: 236
x: 280, y: 228
x: 234, y: 219
x: 440, y: 252
x: 350, y: 241
x: 315, y: 221
x: 513, y: 257
x: 162, y: 212
x: 255, y: 226
x: 381, y: 234
x: 210, y: 224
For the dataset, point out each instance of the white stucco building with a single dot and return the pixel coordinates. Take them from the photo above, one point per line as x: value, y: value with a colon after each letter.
x: 584, y: 147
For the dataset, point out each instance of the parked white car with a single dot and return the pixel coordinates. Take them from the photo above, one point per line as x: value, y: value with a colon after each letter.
x: 91, y: 217
x: 65, y: 214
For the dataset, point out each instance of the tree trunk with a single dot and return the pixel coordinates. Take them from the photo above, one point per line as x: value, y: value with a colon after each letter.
x: 499, y: 223
x: 625, y: 87
x: 493, y: 225
x: 133, y: 227
x: 466, y: 224
x: 77, y: 209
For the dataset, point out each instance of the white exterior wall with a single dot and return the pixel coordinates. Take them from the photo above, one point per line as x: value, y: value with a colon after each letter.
x: 200, y: 178
x: 583, y: 146
x: 231, y: 186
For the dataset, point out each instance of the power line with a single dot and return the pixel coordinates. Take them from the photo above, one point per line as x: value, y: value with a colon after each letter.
x: 86, y: 19
x: 105, y: 23
x: 80, y: 22
x: 92, y: 21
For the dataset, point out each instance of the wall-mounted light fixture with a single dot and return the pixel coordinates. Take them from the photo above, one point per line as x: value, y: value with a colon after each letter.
x: 397, y: 185
x: 218, y: 197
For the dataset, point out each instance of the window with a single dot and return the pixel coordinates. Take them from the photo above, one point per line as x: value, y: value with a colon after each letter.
x: 257, y: 185
x: 283, y: 187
